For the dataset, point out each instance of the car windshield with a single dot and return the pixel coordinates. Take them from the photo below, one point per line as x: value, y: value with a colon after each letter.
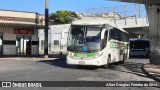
x: 84, y: 38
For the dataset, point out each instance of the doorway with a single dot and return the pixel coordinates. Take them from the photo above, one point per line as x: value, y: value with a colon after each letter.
x: 23, y: 44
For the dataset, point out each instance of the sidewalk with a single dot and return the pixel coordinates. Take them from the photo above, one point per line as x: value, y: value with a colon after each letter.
x: 152, y: 71
x: 26, y: 58
x: 36, y: 57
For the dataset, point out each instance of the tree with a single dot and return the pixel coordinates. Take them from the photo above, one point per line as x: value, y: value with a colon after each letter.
x: 63, y: 17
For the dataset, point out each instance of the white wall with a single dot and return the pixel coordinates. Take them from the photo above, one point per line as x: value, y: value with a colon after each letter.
x: 8, y: 35
x: 55, y: 33
x: 9, y: 50
x: 34, y: 48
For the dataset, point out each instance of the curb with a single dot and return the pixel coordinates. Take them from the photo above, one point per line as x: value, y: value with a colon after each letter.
x: 149, y: 75
x: 26, y: 58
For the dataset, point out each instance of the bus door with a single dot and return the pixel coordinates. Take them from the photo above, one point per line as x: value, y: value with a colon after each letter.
x: 114, y: 46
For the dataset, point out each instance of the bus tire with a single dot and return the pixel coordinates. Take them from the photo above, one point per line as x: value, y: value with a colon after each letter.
x: 106, y: 66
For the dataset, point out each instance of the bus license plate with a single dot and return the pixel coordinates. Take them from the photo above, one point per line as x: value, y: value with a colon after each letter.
x: 82, y: 62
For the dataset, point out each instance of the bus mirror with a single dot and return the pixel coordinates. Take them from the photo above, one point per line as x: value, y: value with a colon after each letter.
x: 102, y: 36
x: 102, y: 33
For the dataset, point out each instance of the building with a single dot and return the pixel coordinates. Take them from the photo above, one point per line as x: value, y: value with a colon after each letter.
x: 19, y: 32
x: 57, y: 38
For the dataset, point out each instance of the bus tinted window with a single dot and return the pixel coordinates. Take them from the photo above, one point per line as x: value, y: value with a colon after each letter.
x: 119, y: 35
x: 113, y: 34
x: 125, y: 37
x: 104, y: 41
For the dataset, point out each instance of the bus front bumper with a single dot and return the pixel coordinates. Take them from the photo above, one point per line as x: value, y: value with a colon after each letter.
x: 94, y: 62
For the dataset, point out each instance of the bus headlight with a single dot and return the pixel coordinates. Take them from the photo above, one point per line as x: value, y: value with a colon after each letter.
x: 71, y: 54
x: 98, y: 55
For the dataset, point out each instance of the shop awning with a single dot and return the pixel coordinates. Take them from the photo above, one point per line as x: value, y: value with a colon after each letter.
x: 37, y: 26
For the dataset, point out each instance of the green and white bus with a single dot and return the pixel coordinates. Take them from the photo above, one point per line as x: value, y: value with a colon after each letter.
x: 96, y: 42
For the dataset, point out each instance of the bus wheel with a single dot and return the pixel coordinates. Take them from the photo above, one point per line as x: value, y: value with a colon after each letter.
x: 108, y: 62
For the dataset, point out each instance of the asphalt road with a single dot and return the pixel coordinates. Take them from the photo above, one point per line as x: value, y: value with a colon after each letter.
x: 58, y: 70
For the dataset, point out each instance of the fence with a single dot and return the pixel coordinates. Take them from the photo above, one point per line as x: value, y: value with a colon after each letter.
x: 118, y: 12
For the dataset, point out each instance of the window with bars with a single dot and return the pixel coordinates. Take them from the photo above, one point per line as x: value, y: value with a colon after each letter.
x: 56, y: 42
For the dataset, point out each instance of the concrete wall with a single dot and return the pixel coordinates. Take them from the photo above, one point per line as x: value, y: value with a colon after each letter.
x: 17, y: 14
x: 9, y: 16
x: 35, y: 47
x: 154, y: 32
x: 18, y: 17
x: 21, y: 18
x: 55, y: 33
x: 132, y: 22
x: 11, y: 49
x: 8, y: 35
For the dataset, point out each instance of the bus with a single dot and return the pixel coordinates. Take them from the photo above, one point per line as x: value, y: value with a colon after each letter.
x: 139, y: 47
x: 96, y: 42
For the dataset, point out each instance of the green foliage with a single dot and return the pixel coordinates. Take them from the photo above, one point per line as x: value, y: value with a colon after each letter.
x: 62, y: 17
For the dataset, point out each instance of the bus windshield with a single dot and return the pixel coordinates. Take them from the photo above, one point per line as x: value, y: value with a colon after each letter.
x: 84, y: 38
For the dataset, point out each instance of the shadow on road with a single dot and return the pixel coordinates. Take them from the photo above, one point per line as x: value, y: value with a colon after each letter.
x: 62, y: 63
x: 139, y: 57
x: 33, y: 56
x: 129, y: 67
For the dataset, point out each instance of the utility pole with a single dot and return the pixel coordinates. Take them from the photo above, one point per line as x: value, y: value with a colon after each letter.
x: 46, y: 30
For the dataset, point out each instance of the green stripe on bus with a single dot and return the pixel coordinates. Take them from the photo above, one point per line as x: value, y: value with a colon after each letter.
x: 85, y: 55
x: 126, y: 46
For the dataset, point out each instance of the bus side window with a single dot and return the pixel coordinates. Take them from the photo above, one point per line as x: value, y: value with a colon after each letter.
x: 118, y: 34
x: 104, y: 41
x: 112, y: 34
x: 125, y: 37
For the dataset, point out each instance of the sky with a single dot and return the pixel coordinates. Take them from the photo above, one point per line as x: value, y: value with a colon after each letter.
x: 54, y: 5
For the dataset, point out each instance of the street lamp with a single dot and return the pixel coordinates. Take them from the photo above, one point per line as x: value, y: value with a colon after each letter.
x: 46, y: 30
